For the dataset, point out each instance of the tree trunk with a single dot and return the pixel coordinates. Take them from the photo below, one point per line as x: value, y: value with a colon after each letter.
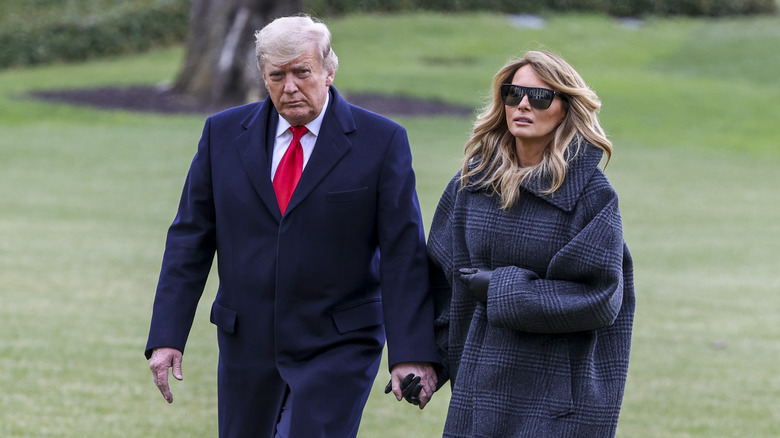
x: 220, y: 67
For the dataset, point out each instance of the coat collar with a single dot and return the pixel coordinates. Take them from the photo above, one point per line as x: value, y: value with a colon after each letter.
x: 582, y: 163
x: 332, y: 145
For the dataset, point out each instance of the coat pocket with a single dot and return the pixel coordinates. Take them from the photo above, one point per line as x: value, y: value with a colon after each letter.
x: 358, y: 316
x: 561, y: 401
x: 346, y: 196
x: 223, y: 318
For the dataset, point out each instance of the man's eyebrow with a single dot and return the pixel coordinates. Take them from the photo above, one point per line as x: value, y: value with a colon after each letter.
x: 298, y: 66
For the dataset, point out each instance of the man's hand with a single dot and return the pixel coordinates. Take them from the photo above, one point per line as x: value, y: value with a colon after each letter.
x: 410, y: 388
x: 422, y: 370
x: 162, y: 359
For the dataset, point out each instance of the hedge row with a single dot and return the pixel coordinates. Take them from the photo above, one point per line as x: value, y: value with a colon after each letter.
x: 622, y: 8
x: 124, y: 27
x: 37, y: 31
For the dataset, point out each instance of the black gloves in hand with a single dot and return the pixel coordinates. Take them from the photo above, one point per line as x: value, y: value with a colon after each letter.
x: 410, y: 388
x: 477, y: 280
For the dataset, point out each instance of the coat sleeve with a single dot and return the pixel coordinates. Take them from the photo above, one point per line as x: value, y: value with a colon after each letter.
x: 440, y: 251
x: 407, y: 301
x: 189, y: 253
x: 582, y: 288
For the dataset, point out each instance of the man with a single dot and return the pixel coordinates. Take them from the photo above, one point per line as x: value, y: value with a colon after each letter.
x: 300, y: 314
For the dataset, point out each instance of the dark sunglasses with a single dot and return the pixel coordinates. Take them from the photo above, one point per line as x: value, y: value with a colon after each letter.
x: 539, y: 98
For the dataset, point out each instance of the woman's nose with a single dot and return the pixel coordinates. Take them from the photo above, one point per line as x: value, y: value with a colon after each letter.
x: 524, y: 102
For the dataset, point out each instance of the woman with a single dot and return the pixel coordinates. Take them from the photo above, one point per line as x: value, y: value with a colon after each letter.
x: 533, y: 281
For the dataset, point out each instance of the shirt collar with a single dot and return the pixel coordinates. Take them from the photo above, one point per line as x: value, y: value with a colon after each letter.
x: 313, y: 126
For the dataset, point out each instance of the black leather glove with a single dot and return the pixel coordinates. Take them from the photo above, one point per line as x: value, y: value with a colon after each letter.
x: 477, y: 280
x: 410, y: 388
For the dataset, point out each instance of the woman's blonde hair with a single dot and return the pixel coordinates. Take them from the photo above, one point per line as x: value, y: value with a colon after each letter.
x: 490, y: 156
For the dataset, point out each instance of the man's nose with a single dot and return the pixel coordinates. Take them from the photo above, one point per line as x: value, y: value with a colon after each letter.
x: 289, y: 84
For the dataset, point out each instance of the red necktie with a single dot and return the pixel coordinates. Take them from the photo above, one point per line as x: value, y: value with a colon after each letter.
x: 289, y: 171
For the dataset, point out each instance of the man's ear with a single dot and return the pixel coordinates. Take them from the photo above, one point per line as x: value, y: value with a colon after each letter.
x: 329, y: 78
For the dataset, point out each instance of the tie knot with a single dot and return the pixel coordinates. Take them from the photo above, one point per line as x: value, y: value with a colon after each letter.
x: 298, y: 132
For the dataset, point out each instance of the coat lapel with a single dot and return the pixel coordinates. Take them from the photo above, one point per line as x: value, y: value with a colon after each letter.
x: 332, y: 145
x: 252, y: 145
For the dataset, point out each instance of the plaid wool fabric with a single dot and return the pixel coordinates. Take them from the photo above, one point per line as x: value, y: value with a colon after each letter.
x: 548, y: 355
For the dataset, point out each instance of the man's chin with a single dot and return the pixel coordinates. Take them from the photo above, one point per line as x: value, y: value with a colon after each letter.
x: 297, y: 117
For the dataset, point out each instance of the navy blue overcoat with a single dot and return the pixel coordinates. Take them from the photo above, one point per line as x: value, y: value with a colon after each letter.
x: 304, y: 300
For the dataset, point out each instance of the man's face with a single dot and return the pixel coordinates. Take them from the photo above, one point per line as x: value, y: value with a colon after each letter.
x: 298, y: 89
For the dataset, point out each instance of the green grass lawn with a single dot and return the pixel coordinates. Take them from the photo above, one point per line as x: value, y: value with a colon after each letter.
x: 691, y: 105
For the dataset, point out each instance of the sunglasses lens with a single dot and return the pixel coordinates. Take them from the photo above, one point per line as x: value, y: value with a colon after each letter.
x: 539, y: 98
x: 512, y: 94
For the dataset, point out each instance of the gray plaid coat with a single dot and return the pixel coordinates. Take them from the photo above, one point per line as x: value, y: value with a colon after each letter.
x: 548, y: 355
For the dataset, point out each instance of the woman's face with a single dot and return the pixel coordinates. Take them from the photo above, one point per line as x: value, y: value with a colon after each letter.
x: 533, y: 128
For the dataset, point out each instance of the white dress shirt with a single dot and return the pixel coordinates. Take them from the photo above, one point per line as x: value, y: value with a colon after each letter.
x: 284, y: 136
